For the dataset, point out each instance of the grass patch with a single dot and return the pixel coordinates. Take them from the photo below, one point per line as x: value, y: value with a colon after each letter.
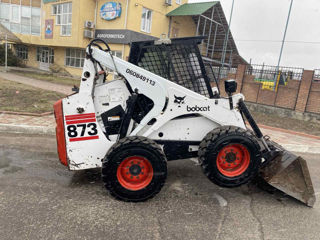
x: 17, y: 97
x: 50, y: 78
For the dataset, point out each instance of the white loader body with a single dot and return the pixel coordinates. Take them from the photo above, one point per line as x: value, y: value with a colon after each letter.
x: 86, y: 143
x: 131, y: 127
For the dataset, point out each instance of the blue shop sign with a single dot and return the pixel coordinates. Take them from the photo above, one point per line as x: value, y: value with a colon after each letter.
x: 110, y: 10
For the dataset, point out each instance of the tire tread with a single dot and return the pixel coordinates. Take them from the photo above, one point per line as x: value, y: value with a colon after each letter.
x: 127, y: 141
x: 211, y: 137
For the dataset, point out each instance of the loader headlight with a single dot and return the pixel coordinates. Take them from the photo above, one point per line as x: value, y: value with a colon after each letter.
x: 230, y: 86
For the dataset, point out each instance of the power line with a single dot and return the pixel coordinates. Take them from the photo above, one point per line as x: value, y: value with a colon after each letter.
x: 275, y: 41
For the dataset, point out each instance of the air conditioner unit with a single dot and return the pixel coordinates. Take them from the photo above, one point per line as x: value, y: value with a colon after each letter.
x: 89, y: 24
x: 88, y: 34
x: 168, y: 2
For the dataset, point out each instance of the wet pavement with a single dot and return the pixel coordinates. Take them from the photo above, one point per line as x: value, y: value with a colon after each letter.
x: 41, y: 199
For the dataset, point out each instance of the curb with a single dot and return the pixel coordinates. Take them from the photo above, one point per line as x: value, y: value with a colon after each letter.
x: 27, y: 113
x: 25, y: 129
x: 289, y: 131
x: 301, y: 148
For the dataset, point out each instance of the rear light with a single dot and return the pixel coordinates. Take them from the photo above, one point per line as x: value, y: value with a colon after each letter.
x: 61, y: 140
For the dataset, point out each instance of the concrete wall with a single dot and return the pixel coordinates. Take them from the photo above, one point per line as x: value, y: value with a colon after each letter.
x: 284, y: 112
x: 32, y: 57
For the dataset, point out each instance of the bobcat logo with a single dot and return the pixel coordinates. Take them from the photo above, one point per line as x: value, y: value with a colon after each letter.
x: 179, y: 100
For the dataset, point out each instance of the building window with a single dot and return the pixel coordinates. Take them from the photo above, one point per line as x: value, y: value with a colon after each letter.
x: 35, y: 20
x: 75, y: 57
x: 5, y: 11
x: 178, y: 1
x: 25, y: 19
x: 15, y: 13
x: 146, y: 20
x: 63, y: 13
x: 18, y: 18
x: 22, y: 52
x: 45, y: 54
x: 15, y: 18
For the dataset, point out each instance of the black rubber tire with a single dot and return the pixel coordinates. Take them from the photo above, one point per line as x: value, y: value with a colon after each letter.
x: 130, y: 146
x: 215, y: 141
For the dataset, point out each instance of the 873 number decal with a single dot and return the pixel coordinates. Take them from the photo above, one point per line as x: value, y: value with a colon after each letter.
x: 81, y: 130
x: 90, y: 128
x: 81, y: 127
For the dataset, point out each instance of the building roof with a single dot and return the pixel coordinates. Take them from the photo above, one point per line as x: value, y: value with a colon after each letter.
x: 211, y: 22
x: 191, y: 9
x: 10, y: 36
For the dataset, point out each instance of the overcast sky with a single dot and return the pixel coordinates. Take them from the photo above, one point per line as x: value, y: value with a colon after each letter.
x: 258, y: 27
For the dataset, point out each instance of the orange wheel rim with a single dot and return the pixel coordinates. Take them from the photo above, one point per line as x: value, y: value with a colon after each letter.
x: 233, y: 160
x: 135, y: 173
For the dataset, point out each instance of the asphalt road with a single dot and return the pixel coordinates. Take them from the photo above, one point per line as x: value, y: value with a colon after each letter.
x: 41, y: 199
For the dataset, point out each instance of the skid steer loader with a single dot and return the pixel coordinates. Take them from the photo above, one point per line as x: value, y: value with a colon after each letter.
x: 161, y: 107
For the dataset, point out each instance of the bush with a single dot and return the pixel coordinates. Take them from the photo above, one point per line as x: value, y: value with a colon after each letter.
x: 12, y: 59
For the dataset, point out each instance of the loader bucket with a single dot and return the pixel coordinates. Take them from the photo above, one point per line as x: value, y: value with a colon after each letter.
x: 290, y: 174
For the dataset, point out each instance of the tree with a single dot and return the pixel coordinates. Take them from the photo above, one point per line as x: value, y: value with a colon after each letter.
x: 13, y: 60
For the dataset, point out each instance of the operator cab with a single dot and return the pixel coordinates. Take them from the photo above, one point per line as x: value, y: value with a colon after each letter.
x: 178, y: 60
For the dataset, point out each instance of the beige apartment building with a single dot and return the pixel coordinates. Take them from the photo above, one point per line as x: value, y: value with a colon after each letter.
x: 57, y: 31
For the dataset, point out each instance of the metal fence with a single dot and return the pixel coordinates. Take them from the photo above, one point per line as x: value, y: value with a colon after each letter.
x: 316, y: 76
x: 266, y: 73
x: 223, y: 72
x: 269, y: 73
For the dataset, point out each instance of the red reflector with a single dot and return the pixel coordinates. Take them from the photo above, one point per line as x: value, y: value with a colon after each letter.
x: 61, y: 140
x: 81, y: 121
x: 80, y: 116
x: 83, y: 138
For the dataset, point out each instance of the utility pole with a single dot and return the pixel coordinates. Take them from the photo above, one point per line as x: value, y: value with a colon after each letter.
x: 283, y: 40
x: 225, y: 44
x: 6, y: 54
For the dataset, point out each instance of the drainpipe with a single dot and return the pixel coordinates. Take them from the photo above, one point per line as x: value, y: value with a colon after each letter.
x: 126, y: 17
x: 170, y: 23
x: 42, y: 16
x: 125, y: 26
x: 95, y: 14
